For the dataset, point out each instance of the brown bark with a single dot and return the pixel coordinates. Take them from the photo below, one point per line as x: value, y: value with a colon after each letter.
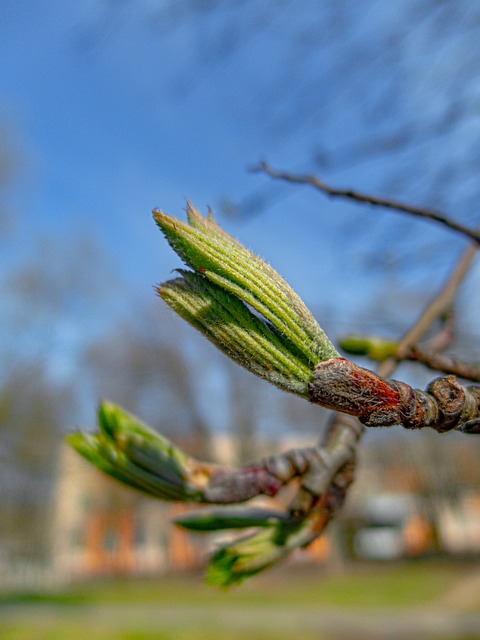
x: 343, y: 386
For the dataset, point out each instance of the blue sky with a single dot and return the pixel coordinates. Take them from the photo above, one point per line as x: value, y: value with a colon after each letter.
x: 104, y: 138
x: 113, y: 117
x: 111, y: 129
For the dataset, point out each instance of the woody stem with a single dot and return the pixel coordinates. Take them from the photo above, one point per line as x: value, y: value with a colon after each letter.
x: 343, y: 386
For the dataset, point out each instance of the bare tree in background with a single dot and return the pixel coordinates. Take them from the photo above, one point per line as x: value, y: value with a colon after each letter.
x: 320, y: 63
x: 136, y: 365
x: 349, y: 87
x: 47, y: 315
x: 250, y: 313
x: 10, y: 163
x: 372, y: 96
x: 403, y: 74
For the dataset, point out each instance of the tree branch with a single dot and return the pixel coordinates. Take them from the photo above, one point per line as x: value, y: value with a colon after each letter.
x: 341, y: 385
x: 408, y: 349
x: 440, y: 362
x: 441, y: 303
x: 344, y: 425
x: 286, y: 346
x: 378, y: 349
x: 316, y: 183
x: 141, y: 458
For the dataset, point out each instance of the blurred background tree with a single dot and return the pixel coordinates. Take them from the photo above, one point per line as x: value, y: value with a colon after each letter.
x: 378, y: 96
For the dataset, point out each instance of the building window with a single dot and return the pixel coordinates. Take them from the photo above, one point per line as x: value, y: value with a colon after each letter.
x: 110, y: 540
x: 140, y: 536
x: 77, y: 538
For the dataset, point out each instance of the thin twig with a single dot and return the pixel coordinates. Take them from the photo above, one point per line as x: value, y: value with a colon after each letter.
x: 439, y: 305
x: 344, y: 425
x: 440, y: 362
x: 442, y: 301
x: 318, y: 184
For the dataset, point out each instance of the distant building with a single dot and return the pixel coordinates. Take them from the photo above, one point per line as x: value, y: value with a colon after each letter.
x: 460, y: 524
x: 399, y: 509
x: 392, y: 526
x: 100, y: 527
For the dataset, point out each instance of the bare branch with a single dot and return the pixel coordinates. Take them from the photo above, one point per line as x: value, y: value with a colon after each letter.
x: 438, y: 306
x: 346, y: 426
x: 143, y: 459
x: 316, y: 183
x: 341, y: 385
x: 442, y: 301
x: 440, y: 362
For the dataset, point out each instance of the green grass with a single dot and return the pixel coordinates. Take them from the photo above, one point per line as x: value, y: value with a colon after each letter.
x: 282, y: 604
x: 398, y: 585
x: 26, y: 632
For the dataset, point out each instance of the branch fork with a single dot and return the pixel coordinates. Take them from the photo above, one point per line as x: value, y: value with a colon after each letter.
x: 250, y: 313
x: 144, y: 460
